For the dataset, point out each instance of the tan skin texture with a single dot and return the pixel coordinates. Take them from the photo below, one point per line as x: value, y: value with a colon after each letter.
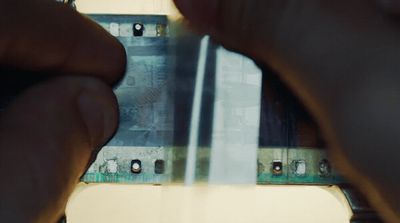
x: 342, y: 59
x: 49, y: 132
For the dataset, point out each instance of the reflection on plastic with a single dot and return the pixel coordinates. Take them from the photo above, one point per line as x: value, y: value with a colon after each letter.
x: 190, y: 169
x: 236, y: 120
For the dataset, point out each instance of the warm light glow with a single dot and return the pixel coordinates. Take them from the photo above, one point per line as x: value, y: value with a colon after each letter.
x: 206, y: 204
x: 140, y: 7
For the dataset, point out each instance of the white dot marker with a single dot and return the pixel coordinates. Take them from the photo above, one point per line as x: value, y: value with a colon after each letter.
x: 138, y: 26
x: 135, y: 166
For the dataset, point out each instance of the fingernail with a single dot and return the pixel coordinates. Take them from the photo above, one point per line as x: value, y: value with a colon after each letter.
x: 97, y: 106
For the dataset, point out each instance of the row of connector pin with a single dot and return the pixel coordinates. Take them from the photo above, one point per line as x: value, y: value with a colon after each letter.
x: 299, y: 168
x: 136, y: 29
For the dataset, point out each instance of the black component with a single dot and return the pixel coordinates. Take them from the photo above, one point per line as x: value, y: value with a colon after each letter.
x: 277, y: 167
x: 159, y: 166
x: 136, y: 166
x: 324, y: 168
x: 138, y: 29
x: 161, y: 29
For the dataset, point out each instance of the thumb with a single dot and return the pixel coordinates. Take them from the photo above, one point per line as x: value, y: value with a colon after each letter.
x: 47, y: 136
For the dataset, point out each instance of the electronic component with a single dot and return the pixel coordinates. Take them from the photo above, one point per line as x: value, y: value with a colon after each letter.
x: 298, y: 167
x: 138, y: 29
x: 136, y: 166
x: 161, y: 30
x: 324, y: 168
x: 159, y: 166
x: 277, y: 167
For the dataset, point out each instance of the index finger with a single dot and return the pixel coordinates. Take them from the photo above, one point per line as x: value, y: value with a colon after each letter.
x: 46, y: 36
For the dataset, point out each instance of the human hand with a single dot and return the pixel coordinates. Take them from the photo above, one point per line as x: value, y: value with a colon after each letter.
x: 51, y: 130
x: 341, y: 59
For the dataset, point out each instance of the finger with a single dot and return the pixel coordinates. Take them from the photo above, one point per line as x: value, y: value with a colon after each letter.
x: 46, y: 36
x: 47, y: 136
x: 235, y: 24
x: 282, y: 32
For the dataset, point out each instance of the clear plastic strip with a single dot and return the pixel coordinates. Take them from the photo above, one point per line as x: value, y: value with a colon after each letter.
x: 195, y: 118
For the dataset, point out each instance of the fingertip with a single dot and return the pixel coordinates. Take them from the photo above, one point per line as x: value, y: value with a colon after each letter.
x: 113, y: 53
x: 120, y: 63
x: 57, y: 39
x: 98, y: 53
